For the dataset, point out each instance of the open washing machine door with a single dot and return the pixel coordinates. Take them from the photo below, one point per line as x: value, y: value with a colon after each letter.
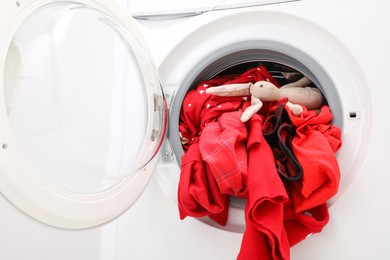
x: 82, y: 112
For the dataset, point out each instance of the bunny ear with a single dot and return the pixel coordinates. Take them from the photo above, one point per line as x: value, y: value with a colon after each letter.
x: 230, y: 90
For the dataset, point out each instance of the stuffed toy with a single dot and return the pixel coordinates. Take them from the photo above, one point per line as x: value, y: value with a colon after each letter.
x: 298, y: 94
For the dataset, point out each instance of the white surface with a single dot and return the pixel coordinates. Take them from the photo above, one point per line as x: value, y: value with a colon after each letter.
x: 156, y: 232
x: 23, y: 238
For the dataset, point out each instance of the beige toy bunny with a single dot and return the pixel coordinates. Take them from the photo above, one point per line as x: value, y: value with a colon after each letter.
x: 298, y: 94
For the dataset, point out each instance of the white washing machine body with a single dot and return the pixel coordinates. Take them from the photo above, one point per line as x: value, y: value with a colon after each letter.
x: 341, y: 46
x: 329, y: 41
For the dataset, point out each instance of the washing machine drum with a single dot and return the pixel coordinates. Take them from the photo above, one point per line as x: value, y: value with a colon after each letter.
x: 82, y: 113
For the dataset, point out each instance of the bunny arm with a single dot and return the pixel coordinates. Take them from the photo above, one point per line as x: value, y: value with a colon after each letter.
x: 230, y: 90
x: 255, y: 106
x: 295, y: 108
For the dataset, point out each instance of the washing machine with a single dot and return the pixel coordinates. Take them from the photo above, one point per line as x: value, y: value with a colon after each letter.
x: 91, y: 98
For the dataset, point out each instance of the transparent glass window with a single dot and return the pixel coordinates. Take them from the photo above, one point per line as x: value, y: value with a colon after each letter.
x: 78, y: 99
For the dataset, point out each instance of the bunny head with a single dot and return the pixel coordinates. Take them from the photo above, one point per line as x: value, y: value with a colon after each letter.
x: 265, y: 91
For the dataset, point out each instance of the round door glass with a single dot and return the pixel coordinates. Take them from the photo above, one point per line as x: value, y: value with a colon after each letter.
x: 83, y: 99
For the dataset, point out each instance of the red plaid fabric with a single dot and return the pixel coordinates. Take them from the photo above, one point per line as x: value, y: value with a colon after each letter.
x: 223, y: 149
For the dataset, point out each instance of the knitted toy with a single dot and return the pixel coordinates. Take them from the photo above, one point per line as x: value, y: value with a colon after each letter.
x: 298, y: 94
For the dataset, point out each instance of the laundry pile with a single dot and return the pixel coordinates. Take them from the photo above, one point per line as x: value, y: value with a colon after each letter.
x: 284, y: 165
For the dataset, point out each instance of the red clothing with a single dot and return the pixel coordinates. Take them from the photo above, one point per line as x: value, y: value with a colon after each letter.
x: 314, y: 145
x: 227, y: 157
x: 193, y: 109
x: 279, y: 133
x: 302, y: 216
x: 300, y: 225
x: 198, y: 194
x: 222, y: 146
x: 265, y: 232
x: 199, y: 108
